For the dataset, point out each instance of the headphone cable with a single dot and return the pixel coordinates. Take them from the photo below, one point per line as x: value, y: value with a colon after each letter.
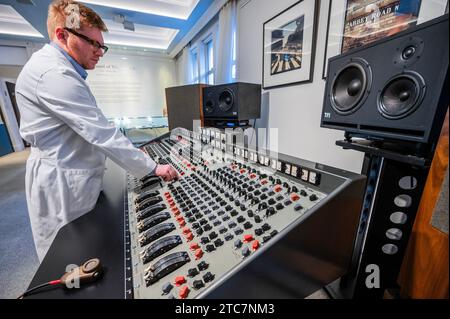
x: 50, y: 283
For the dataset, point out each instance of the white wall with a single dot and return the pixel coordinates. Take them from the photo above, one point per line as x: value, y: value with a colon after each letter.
x: 10, y: 71
x: 132, y: 84
x: 294, y: 110
x: 129, y: 87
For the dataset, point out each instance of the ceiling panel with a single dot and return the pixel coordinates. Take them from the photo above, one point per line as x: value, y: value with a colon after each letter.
x: 179, y: 9
x: 12, y: 23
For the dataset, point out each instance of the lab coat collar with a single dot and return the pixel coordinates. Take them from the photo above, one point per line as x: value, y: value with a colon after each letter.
x: 80, y: 70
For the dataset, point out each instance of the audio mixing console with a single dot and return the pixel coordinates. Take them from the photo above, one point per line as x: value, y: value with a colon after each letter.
x: 233, y: 208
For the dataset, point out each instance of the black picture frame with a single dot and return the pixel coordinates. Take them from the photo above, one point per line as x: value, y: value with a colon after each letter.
x: 281, y: 68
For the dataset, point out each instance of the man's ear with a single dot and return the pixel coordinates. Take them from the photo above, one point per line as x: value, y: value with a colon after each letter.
x: 60, y: 34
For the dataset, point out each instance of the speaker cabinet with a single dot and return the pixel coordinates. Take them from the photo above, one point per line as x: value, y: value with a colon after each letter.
x: 235, y: 101
x: 184, y: 105
x: 393, y: 89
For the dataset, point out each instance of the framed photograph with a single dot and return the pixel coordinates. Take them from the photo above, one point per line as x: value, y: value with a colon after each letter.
x: 355, y: 23
x: 289, y: 43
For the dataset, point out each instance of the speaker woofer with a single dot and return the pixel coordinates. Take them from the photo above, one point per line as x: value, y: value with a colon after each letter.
x: 350, y: 86
x: 226, y: 100
x: 401, y: 95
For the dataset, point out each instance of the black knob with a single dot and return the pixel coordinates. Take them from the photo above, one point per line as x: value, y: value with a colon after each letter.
x: 262, y: 206
x: 270, y: 211
x: 294, y: 189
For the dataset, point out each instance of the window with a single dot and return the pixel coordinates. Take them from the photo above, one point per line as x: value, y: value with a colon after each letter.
x: 195, y: 78
x: 233, y: 63
x: 209, y: 54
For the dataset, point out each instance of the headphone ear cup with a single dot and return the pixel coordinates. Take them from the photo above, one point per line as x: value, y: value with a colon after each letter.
x: 91, y: 265
x: 89, y: 271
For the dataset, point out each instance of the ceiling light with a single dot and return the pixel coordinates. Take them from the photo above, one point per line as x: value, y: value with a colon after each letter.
x: 179, y: 9
x: 127, y: 25
x: 11, y: 22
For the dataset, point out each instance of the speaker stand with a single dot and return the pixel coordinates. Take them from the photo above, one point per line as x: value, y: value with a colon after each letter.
x: 396, y: 176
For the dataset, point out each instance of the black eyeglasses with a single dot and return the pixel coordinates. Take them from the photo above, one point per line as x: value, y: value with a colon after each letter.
x: 94, y: 43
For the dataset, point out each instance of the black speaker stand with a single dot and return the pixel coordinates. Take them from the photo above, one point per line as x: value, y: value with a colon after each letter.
x: 396, y: 175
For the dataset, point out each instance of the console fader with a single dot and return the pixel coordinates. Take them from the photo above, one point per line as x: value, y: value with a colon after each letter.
x: 186, y: 238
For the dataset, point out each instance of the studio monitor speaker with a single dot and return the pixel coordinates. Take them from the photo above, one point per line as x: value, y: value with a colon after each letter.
x: 235, y: 101
x: 184, y: 105
x: 393, y: 89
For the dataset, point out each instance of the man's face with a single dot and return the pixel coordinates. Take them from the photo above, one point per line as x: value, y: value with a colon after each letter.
x: 86, y: 54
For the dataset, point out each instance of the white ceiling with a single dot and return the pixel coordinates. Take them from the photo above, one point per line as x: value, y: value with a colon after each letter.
x: 158, y: 24
x: 143, y: 36
x: 11, y: 22
x: 180, y: 9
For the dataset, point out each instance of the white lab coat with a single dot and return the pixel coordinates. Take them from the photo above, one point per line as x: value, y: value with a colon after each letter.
x: 70, y: 139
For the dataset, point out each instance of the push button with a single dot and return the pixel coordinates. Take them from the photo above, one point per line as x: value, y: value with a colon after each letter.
x: 197, y: 284
x: 202, y: 266
x: 248, y: 238
x: 184, y: 292
x: 180, y: 280
x: 166, y: 288
x: 193, y: 272
x: 194, y: 246
x: 208, y: 277
x: 198, y: 253
x: 255, y: 245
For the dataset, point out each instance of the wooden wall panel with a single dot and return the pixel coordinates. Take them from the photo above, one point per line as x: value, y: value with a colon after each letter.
x: 425, y: 268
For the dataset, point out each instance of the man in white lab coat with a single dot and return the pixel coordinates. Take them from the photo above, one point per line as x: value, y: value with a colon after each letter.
x: 69, y: 135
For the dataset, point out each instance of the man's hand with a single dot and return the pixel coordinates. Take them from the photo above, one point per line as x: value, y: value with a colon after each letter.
x: 166, y: 172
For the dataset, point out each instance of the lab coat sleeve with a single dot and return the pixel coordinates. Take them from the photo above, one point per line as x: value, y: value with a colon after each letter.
x: 65, y: 94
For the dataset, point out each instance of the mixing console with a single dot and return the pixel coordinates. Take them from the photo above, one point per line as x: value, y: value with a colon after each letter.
x: 185, y: 238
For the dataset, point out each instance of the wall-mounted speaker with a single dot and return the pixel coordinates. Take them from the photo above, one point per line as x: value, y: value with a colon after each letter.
x: 392, y: 89
x: 184, y: 105
x: 235, y: 101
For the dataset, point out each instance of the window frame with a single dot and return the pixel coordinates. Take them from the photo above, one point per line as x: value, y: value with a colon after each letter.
x: 208, y: 43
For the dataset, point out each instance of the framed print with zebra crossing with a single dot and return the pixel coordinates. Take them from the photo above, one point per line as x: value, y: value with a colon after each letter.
x: 289, y: 44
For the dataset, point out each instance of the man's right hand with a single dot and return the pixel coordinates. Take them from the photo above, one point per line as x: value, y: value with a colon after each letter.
x: 166, y: 172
